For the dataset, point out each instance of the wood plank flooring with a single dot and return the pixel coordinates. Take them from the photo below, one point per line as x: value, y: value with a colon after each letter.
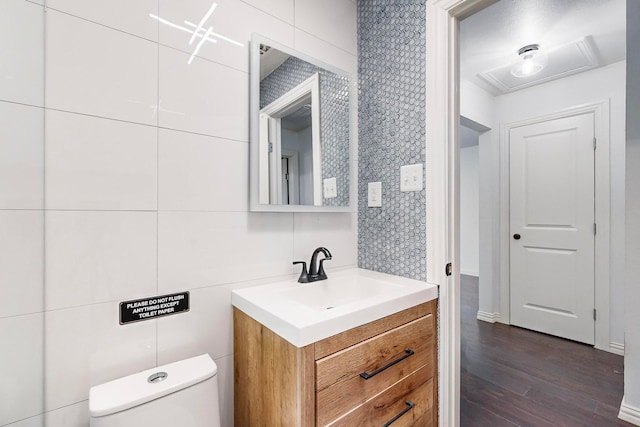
x: 516, y: 377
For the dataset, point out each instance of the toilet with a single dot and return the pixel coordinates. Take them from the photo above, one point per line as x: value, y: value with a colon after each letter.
x: 183, y: 393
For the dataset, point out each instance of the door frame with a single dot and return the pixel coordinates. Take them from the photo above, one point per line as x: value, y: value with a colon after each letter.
x: 273, y: 113
x: 442, y: 188
x: 600, y: 111
x: 294, y: 175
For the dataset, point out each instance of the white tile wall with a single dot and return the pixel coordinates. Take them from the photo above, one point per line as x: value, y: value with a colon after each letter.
x: 37, y: 421
x: 92, y: 69
x: 95, y: 256
x: 21, y: 367
x: 21, y: 50
x: 86, y: 346
x: 95, y: 163
x: 209, y: 322
x: 198, y: 249
x: 336, y: 232
x: 226, y: 25
x: 203, y: 97
x: 189, y: 181
x: 76, y: 415
x: 330, y: 20
x: 281, y: 9
x: 21, y: 156
x: 21, y: 255
x: 326, y: 52
x: 136, y: 20
x: 225, y: 383
x: 146, y: 189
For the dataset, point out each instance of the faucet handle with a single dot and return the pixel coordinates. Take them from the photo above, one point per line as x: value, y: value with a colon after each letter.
x: 304, y: 277
x: 322, y: 275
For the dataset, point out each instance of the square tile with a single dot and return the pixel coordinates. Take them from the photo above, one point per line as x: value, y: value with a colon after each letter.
x: 22, y: 52
x: 231, y: 23
x: 198, y: 172
x: 338, y: 232
x: 199, y: 249
x: 76, y: 415
x: 318, y: 48
x: 203, y: 97
x: 95, y: 70
x: 21, y: 367
x: 281, y: 9
x: 334, y: 21
x: 85, y: 346
x: 128, y: 16
x: 95, y: 257
x: 21, y: 156
x: 37, y: 421
x: 225, y: 390
x: 210, y: 322
x: 22, y: 255
x: 100, y: 164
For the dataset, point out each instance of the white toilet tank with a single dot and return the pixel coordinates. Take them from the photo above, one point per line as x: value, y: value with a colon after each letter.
x: 183, y: 393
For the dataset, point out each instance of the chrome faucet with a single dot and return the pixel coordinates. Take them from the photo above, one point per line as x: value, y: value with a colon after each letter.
x: 316, y: 270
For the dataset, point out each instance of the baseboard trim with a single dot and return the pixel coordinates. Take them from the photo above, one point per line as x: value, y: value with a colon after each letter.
x: 470, y: 273
x: 616, y: 348
x: 629, y: 413
x: 488, y: 317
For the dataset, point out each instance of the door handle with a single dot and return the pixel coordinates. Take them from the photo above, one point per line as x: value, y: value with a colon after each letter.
x: 409, y: 407
x: 408, y: 352
x: 516, y: 236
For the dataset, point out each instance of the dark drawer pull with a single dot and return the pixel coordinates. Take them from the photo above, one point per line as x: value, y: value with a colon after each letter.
x: 408, y: 352
x: 409, y: 407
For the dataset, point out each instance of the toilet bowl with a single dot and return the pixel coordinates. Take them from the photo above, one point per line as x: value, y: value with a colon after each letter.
x: 183, y: 393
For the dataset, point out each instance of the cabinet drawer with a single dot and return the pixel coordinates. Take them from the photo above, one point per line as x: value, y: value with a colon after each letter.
x: 339, y: 385
x: 410, y: 402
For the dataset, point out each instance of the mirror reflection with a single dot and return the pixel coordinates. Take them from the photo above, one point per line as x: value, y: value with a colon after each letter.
x: 303, y: 131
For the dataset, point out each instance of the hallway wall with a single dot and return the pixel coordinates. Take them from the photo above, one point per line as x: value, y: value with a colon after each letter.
x: 606, y: 83
x: 469, y: 209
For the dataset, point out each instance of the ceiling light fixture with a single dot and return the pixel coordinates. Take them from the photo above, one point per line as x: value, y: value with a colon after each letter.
x: 530, y: 61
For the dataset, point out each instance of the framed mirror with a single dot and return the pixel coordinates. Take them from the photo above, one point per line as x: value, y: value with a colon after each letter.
x: 300, y: 139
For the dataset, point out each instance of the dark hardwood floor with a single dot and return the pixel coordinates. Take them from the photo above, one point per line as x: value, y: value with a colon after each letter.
x: 516, y: 377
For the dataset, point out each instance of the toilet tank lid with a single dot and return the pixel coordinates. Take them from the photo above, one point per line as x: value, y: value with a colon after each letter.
x: 133, y: 390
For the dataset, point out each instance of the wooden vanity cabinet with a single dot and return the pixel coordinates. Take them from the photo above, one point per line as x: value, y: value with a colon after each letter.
x: 278, y: 384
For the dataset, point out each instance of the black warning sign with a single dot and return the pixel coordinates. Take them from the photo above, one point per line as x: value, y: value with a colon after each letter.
x: 153, y: 307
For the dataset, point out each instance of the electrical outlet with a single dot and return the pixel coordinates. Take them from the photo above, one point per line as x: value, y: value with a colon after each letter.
x: 374, y: 195
x: 330, y: 188
x: 411, y: 177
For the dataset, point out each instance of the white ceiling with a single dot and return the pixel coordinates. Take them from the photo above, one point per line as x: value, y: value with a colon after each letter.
x: 491, y: 38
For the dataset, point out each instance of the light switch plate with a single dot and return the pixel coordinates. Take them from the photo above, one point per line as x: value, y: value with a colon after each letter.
x: 330, y: 188
x: 374, y: 195
x: 411, y: 177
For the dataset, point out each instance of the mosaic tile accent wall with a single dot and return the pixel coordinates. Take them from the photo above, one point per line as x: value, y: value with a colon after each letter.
x: 334, y: 117
x: 391, y: 123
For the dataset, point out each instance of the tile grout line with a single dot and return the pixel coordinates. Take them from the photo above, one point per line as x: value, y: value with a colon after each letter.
x: 44, y: 211
x: 231, y: 140
x: 158, y: 181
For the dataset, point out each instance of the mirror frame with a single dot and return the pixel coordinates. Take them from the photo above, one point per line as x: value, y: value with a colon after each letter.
x: 254, y: 131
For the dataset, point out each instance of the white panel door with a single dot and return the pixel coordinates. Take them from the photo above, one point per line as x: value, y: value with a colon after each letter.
x: 552, y: 227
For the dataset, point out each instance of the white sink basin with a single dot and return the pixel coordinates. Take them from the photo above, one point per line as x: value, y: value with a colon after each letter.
x: 305, y: 313
x: 329, y: 294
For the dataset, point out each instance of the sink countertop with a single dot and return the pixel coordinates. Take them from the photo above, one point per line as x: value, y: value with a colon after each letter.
x: 305, y: 313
